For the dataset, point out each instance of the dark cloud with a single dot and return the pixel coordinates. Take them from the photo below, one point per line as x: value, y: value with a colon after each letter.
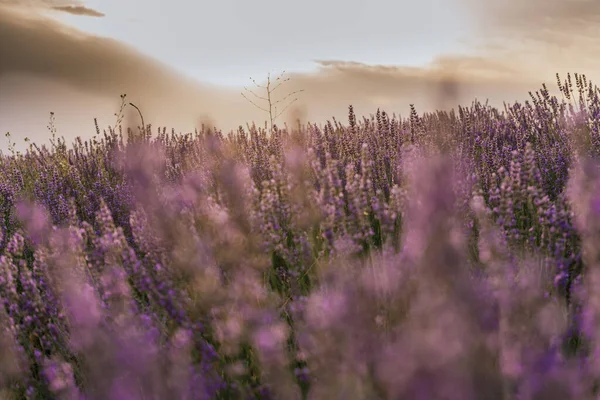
x: 73, y: 62
x: 79, y: 10
x: 41, y: 46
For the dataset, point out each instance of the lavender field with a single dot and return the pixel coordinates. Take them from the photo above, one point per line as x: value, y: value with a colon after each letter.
x: 450, y: 255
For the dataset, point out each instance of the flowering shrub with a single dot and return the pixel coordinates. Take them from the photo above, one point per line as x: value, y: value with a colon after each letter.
x: 442, y: 256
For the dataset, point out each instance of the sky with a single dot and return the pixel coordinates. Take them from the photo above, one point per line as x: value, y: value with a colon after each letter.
x: 185, y: 62
x: 247, y: 38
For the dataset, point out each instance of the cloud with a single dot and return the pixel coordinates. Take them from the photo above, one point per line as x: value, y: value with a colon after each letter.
x: 559, y: 34
x: 37, y: 45
x: 533, y: 15
x: 445, y: 83
x: 46, y: 66
x: 79, y: 10
x: 73, y: 7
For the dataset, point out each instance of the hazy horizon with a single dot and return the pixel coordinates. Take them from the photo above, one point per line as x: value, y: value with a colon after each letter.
x: 182, y: 64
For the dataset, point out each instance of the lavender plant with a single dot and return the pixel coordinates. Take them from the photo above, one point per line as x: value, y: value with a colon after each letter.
x: 449, y: 255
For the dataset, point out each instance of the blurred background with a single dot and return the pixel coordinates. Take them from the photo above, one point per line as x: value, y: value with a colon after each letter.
x: 185, y: 62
